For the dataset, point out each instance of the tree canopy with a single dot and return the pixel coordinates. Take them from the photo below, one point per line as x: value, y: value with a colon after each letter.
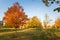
x: 50, y: 2
x: 34, y: 22
x: 15, y: 16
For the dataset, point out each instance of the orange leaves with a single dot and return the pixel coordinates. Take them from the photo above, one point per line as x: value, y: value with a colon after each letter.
x: 57, y: 22
x: 15, y: 17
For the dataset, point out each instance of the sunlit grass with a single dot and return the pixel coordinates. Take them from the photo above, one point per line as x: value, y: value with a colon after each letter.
x: 32, y: 34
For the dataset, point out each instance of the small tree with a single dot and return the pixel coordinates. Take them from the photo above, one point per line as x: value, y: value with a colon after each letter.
x: 57, y: 23
x: 34, y: 22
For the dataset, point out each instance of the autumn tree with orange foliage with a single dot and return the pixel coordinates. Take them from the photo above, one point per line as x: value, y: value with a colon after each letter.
x: 57, y: 23
x: 15, y: 16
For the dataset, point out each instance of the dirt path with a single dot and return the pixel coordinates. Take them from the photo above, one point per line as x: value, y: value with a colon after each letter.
x: 3, y: 33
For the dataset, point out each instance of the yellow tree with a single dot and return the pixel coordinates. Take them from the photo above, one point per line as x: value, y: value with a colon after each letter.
x: 33, y: 22
x: 57, y: 23
x: 15, y: 16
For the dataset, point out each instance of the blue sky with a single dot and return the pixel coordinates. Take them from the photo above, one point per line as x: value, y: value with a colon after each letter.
x: 31, y: 8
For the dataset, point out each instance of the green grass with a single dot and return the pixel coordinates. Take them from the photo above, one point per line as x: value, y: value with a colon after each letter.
x: 32, y: 34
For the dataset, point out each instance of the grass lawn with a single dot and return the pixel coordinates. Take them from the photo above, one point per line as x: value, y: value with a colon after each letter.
x: 30, y: 34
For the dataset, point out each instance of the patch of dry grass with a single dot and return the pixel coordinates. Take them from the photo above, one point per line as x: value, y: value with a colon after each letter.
x: 32, y: 34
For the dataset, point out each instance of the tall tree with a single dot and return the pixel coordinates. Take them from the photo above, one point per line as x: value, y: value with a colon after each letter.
x: 47, y: 21
x: 15, y: 16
